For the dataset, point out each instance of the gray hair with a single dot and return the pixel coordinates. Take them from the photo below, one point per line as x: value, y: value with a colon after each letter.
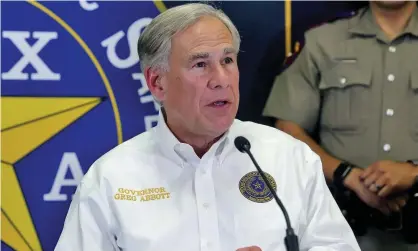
x: 154, y: 44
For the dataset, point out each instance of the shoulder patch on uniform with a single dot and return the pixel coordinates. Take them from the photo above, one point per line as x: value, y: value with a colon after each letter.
x: 253, y: 187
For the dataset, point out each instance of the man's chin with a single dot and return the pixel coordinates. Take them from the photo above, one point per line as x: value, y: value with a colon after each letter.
x: 391, y: 5
x: 221, y: 125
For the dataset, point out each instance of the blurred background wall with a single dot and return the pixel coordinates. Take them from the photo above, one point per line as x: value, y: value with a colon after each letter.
x: 71, y: 89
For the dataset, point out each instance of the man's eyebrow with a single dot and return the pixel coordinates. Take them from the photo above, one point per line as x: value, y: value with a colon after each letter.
x: 196, y: 56
x: 230, y: 50
x: 205, y: 55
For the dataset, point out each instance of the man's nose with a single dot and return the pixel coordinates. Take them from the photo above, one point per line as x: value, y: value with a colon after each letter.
x: 219, y: 78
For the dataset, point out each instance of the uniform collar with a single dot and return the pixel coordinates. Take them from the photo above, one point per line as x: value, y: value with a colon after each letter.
x: 412, y: 26
x: 364, y: 24
x: 179, y: 152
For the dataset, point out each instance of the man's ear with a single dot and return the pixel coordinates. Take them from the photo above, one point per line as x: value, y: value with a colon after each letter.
x: 153, y: 78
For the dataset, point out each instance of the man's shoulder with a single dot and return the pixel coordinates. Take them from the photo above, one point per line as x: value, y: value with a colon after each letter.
x: 139, y: 145
x: 277, y: 143
x: 336, y: 28
x: 265, y: 134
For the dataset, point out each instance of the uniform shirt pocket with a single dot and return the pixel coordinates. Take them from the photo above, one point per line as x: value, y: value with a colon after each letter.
x: 413, y: 105
x: 345, y: 97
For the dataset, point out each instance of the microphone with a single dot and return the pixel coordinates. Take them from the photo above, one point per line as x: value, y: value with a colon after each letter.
x: 291, y: 239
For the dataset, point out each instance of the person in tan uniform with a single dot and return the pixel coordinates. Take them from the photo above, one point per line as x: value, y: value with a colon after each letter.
x: 355, y: 85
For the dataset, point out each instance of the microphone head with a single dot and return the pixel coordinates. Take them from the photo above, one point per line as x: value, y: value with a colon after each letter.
x: 242, y: 144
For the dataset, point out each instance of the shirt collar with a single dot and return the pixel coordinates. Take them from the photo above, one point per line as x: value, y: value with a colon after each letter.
x: 179, y: 152
x: 412, y: 26
x: 364, y: 24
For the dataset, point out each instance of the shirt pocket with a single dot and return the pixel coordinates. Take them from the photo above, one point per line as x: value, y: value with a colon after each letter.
x: 413, y: 105
x: 345, y: 97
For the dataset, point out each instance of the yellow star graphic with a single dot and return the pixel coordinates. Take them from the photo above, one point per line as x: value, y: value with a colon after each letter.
x: 27, y: 123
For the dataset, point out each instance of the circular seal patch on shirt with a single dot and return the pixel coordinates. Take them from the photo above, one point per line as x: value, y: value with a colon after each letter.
x: 253, y: 187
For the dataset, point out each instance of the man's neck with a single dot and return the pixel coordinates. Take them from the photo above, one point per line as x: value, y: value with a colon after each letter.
x: 200, y: 143
x: 393, y: 21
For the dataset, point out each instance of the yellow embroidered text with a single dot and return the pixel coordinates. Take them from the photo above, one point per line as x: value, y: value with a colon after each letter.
x: 142, y: 195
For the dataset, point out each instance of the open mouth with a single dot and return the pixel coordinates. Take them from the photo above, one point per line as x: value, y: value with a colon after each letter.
x: 219, y: 103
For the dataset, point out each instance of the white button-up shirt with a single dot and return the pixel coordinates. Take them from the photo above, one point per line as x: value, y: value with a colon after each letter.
x: 154, y: 193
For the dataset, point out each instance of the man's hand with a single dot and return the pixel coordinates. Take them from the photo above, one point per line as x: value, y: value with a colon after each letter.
x: 397, y: 203
x: 252, y: 248
x: 388, y: 177
x: 354, y: 183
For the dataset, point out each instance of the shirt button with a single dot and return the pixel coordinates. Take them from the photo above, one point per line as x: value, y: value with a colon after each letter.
x: 343, y: 81
x: 391, y: 77
x: 206, y: 205
x: 386, y: 147
x: 392, y: 49
x: 389, y: 112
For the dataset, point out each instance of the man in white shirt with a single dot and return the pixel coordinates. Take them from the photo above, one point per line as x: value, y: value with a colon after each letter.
x: 183, y: 185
